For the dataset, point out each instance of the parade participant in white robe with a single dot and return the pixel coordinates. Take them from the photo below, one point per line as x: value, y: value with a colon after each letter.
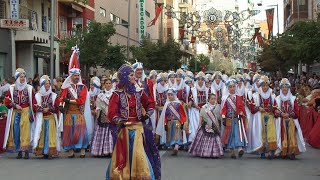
x: 217, y: 86
x: 115, y: 80
x: 199, y: 98
x: 46, y: 135
x: 74, y: 105
x: 263, y: 133
x: 171, y: 79
x: 240, y: 88
x: 289, y: 134
x: 93, y: 93
x: 153, y: 77
x: 208, y: 80
x: 246, y: 81
x: 250, y: 95
x: 143, y: 82
x: 233, y: 113
x: 190, y: 75
x: 171, y: 122
x: 20, y: 120
x: 161, y: 97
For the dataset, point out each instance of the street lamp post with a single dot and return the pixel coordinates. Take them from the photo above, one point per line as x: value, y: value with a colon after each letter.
x: 128, y: 37
x: 161, y: 21
x: 52, y: 59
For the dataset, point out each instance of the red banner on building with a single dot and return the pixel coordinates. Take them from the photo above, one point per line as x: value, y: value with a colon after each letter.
x: 257, y: 35
x: 270, y: 15
x: 159, y: 8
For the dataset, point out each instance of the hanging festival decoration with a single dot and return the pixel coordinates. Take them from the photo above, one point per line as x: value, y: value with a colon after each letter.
x: 223, y: 33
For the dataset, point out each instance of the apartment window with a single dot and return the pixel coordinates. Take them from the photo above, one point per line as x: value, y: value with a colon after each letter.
x: 102, y: 12
x: 169, y: 33
x: 33, y: 20
x: 115, y: 19
x: 147, y: 14
x: 124, y: 23
x: 302, y: 5
x: 63, y: 24
x: 2, y: 10
x: 77, y: 23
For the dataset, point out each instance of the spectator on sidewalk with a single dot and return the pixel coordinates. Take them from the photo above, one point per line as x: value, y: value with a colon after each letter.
x: 5, y: 86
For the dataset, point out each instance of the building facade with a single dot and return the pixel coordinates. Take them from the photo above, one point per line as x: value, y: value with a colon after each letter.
x: 117, y: 12
x: 297, y: 10
x: 72, y: 15
x: 28, y: 48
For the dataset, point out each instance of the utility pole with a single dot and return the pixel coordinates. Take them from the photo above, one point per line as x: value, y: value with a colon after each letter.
x: 52, y: 59
x: 161, y: 21
x: 128, y: 36
x: 300, y: 63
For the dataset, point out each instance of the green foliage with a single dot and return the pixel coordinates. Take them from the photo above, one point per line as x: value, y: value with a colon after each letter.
x: 300, y: 43
x: 94, y: 45
x: 115, y: 57
x: 201, y: 60
x: 164, y: 56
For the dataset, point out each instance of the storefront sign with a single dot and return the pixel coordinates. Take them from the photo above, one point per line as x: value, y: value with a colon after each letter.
x: 14, y: 9
x: 41, y: 51
x: 19, y: 23
x: 142, y: 20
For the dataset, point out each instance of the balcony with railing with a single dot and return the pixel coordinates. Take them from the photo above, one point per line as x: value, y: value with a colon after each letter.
x: 81, y: 3
x: 34, y: 34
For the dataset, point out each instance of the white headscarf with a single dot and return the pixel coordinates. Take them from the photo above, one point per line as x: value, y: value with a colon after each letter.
x: 43, y: 80
x: 203, y: 87
x: 182, y: 84
x: 171, y: 74
x: 288, y: 96
x: 160, y: 88
x: 18, y: 85
x: 96, y: 89
x: 262, y: 80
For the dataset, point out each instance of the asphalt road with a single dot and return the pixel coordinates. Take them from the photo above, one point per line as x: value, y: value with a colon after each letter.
x: 182, y: 167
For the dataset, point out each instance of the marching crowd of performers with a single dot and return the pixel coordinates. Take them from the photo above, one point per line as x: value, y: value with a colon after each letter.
x: 131, y: 116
